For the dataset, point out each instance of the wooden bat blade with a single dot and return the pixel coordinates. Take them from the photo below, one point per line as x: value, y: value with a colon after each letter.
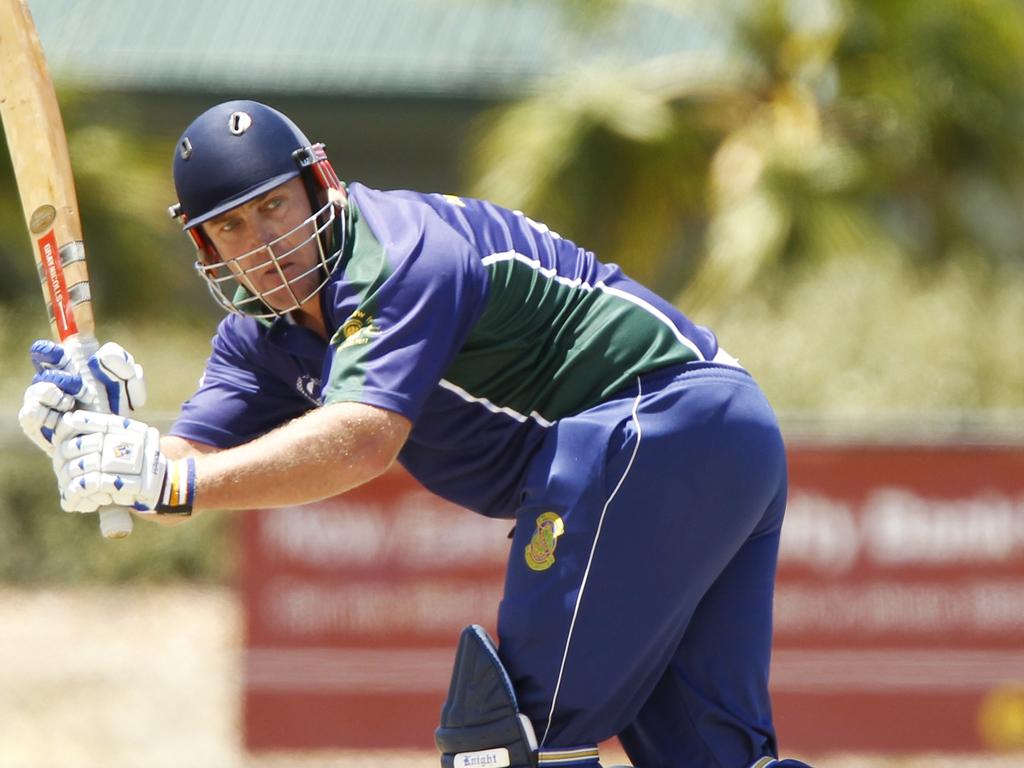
x: 39, y: 155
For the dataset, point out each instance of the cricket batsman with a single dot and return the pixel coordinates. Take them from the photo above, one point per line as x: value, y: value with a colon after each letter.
x: 511, y: 372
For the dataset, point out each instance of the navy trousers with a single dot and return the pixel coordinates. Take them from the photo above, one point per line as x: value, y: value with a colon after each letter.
x: 638, y: 598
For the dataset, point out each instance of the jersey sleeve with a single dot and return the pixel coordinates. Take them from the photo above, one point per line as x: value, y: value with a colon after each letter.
x: 238, y: 399
x: 418, y: 287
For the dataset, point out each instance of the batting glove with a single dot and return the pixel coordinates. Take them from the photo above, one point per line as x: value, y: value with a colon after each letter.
x: 120, y: 380
x: 102, y: 459
x: 58, y: 388
x: 54, y: 390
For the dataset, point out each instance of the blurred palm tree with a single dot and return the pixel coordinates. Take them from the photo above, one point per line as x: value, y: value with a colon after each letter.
x: 814, y: 129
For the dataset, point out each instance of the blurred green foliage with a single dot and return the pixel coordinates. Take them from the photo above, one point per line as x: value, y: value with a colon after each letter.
x: 43, y: 545
x: 820, y: 130
x: 835, y: 190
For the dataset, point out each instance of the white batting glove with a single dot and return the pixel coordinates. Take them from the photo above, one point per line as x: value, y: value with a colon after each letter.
x: 120, y: 381
x: 58, y: 388
x: 54, y: 390
x: 102, y: 459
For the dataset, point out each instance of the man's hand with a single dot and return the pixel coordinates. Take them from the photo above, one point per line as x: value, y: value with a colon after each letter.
x: 102, y: 459
x: 58, y: 388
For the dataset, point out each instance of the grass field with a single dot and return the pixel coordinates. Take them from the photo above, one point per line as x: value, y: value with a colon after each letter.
x: 150, y: 678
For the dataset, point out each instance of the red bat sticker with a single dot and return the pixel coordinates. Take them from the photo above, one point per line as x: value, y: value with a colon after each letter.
x: 49, y: 258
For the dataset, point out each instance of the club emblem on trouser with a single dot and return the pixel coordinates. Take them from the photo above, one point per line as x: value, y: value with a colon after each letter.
x: 540, y: 552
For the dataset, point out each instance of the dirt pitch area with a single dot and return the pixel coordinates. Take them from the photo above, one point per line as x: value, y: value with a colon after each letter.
x: 150, y: 678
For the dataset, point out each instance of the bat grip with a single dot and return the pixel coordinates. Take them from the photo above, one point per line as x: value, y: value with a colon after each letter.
x: 115, y: 522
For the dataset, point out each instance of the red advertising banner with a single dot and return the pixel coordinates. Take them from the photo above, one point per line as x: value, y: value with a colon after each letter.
x: 899, y: 615
x: 353, y: 609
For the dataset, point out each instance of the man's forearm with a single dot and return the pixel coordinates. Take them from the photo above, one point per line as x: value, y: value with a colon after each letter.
x: 326, y: 452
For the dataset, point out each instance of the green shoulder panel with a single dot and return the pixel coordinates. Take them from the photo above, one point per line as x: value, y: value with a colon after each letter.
x: 555, y: 347
x: 366, y: 268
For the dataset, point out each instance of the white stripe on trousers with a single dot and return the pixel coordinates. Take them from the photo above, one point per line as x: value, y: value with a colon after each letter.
x: 590, y: 560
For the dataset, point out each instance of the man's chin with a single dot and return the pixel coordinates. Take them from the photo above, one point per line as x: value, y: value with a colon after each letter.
x: 299, y: 297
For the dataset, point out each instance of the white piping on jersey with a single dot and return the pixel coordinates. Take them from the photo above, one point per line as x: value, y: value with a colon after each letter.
x: 590, y: 559
x: 577, y: 282
x: 456, y: 389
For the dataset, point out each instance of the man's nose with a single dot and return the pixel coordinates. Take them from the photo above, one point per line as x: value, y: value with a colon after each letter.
x: 260, y: 233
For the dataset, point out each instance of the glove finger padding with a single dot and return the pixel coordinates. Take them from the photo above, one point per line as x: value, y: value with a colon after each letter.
x: 84, y: 465
x: 44, y: 403
x: 119, y: 377
x: 53, y: 391
x: 83, y: 495
x: 49, y: 355
x: 101, y: 489
x: 78, y: 423
x: 81, y: 445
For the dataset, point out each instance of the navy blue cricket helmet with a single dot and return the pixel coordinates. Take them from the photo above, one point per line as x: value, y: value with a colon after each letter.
x: 235, y: 152
x: 232, y: 153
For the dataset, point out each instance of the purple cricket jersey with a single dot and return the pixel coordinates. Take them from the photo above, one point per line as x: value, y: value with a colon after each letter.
x: 480, y: 325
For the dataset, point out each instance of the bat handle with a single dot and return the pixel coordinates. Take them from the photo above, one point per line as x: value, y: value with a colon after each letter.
x: 115, y: 522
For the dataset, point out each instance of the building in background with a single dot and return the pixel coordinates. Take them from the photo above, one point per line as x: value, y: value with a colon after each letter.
x: 392, y: 86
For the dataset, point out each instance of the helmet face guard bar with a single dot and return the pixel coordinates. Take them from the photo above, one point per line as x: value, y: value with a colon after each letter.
x: 224, y: 277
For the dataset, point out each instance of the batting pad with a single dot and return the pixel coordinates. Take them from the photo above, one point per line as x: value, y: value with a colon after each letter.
x: 480, y: 722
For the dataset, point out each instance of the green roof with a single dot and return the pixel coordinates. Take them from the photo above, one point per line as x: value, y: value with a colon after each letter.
x: 474, y: 48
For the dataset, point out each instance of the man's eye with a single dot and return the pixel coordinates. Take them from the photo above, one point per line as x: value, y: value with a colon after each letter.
x: 228, y: 226
x: 272, y: 203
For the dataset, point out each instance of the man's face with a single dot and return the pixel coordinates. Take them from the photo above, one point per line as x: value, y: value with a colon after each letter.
x: 267, y: 242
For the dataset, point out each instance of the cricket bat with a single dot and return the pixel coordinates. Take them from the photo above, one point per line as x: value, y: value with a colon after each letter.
x: 42, y: 167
